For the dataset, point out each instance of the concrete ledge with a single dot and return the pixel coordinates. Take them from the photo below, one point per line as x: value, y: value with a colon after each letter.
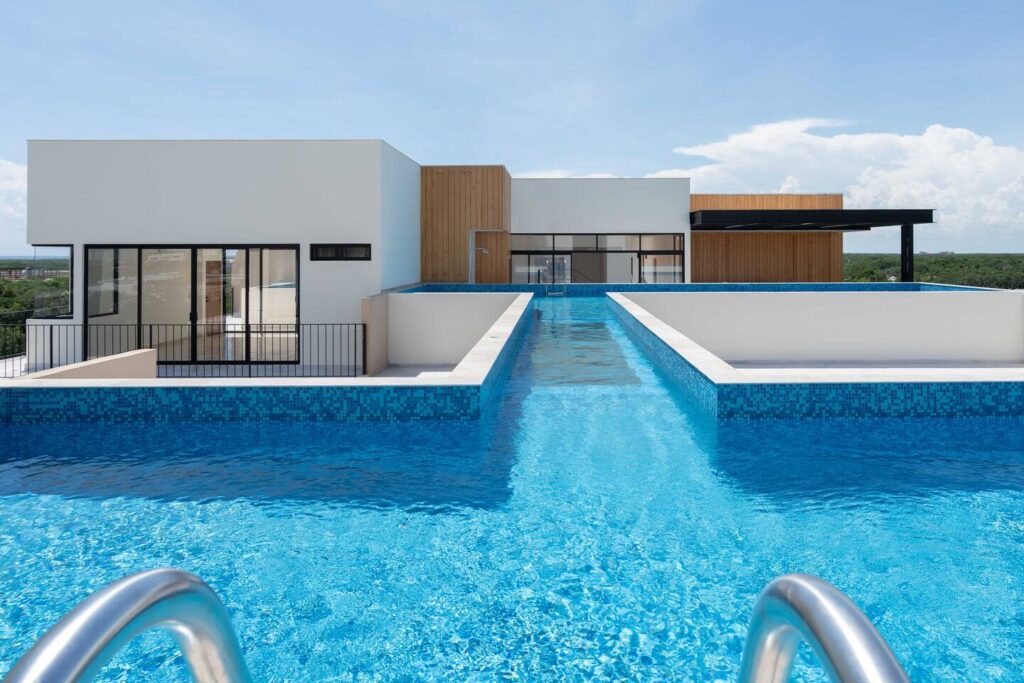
x: 139, y: 364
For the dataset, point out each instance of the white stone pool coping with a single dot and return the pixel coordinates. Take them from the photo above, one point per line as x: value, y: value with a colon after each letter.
x: 720, y: 371
x: 472, y: 370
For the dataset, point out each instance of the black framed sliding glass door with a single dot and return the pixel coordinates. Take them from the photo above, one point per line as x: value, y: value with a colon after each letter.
x: 194, y: 304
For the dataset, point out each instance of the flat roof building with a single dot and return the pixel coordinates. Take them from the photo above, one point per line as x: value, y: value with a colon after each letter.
x: 194, y: 233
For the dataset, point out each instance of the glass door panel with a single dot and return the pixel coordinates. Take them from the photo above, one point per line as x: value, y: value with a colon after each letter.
x: 561, y: 268
x: 519, y: 271
x: 112, y: 301
x: 280, y: 287
x: 273, y: 287
x: 622, y: 267
x: 221, y: 305
x: 550, y: 268
x: 537, y: 270
x: 540, y: 268
x: 662, y: 268
x: 166, y: 306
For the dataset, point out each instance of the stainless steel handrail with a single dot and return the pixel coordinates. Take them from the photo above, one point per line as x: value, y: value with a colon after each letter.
x: 799, y: 607
x: 91, y: 634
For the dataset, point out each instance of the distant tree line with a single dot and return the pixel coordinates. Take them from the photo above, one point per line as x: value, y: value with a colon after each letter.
x: 35, y: 263
x: 30, y: 297
x: 1004, y: 271
x: 47, y: 293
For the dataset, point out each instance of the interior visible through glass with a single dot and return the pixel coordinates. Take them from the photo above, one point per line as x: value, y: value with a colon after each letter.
x: 245, y: 305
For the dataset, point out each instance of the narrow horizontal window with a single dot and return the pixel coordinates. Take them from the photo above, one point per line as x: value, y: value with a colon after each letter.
x: 339, y: 252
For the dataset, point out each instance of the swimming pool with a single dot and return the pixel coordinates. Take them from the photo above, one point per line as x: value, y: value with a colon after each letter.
x: 597, y: 525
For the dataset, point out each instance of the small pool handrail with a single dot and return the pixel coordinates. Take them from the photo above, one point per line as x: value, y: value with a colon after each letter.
x: 78, y: 647
x: 799, y: 607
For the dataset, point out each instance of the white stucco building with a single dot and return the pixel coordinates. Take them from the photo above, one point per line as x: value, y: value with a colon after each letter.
x: 199, y: 241
x: 215, y: 250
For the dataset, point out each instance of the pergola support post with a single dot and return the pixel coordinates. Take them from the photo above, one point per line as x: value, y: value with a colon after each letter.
x: 907, y: 252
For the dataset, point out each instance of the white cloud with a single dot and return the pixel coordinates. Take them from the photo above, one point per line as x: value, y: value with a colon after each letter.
x: 976, y: 186
x: 790, y: 185
x: 13, y: 193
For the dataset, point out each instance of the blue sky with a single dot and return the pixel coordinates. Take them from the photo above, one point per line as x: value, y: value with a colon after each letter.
x: 895, y: 103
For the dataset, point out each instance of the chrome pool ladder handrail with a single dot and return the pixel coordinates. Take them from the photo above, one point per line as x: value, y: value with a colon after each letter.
x: 799, y: 607
x: 78, y: 647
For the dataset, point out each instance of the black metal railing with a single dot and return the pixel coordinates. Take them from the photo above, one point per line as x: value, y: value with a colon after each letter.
x: 192, y: 350
x: 50, y: 308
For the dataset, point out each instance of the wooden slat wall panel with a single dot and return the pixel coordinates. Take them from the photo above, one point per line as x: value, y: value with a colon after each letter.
x: 453, y: 201
x: 766, y: 202
x: 489, y: 268
x: 766, y: 256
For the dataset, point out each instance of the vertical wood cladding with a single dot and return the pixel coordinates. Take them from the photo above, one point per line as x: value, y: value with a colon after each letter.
x: 765, y: 202
x: 492, y: 266
x: 453, y: 201
x: 766, y: 256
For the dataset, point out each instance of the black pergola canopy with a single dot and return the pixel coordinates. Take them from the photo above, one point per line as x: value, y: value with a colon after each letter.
x: 800, y: 219
x: 814, y: 220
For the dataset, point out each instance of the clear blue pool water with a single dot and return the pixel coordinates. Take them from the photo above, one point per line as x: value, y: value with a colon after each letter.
x: 596, y: 526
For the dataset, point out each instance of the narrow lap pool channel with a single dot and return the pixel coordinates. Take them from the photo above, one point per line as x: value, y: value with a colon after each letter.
x: 596, y: 526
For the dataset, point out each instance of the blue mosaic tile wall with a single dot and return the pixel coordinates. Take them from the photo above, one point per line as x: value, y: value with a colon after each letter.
x: 503, y: 363
x: 868, y: 399
x: 600, y: 289
x: 693, y: 382
x: 225, y: 404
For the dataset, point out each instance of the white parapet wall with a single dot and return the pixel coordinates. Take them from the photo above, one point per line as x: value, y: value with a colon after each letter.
x: 139, y: 364
x: 883, y: 327
x: 51, y: 342
x: 439, y: 328
x: 375, y: 318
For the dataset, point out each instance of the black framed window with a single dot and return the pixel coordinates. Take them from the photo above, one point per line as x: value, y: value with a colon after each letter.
x: 53, y: 272
x: 339, y: 252
x: 626, y: 257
